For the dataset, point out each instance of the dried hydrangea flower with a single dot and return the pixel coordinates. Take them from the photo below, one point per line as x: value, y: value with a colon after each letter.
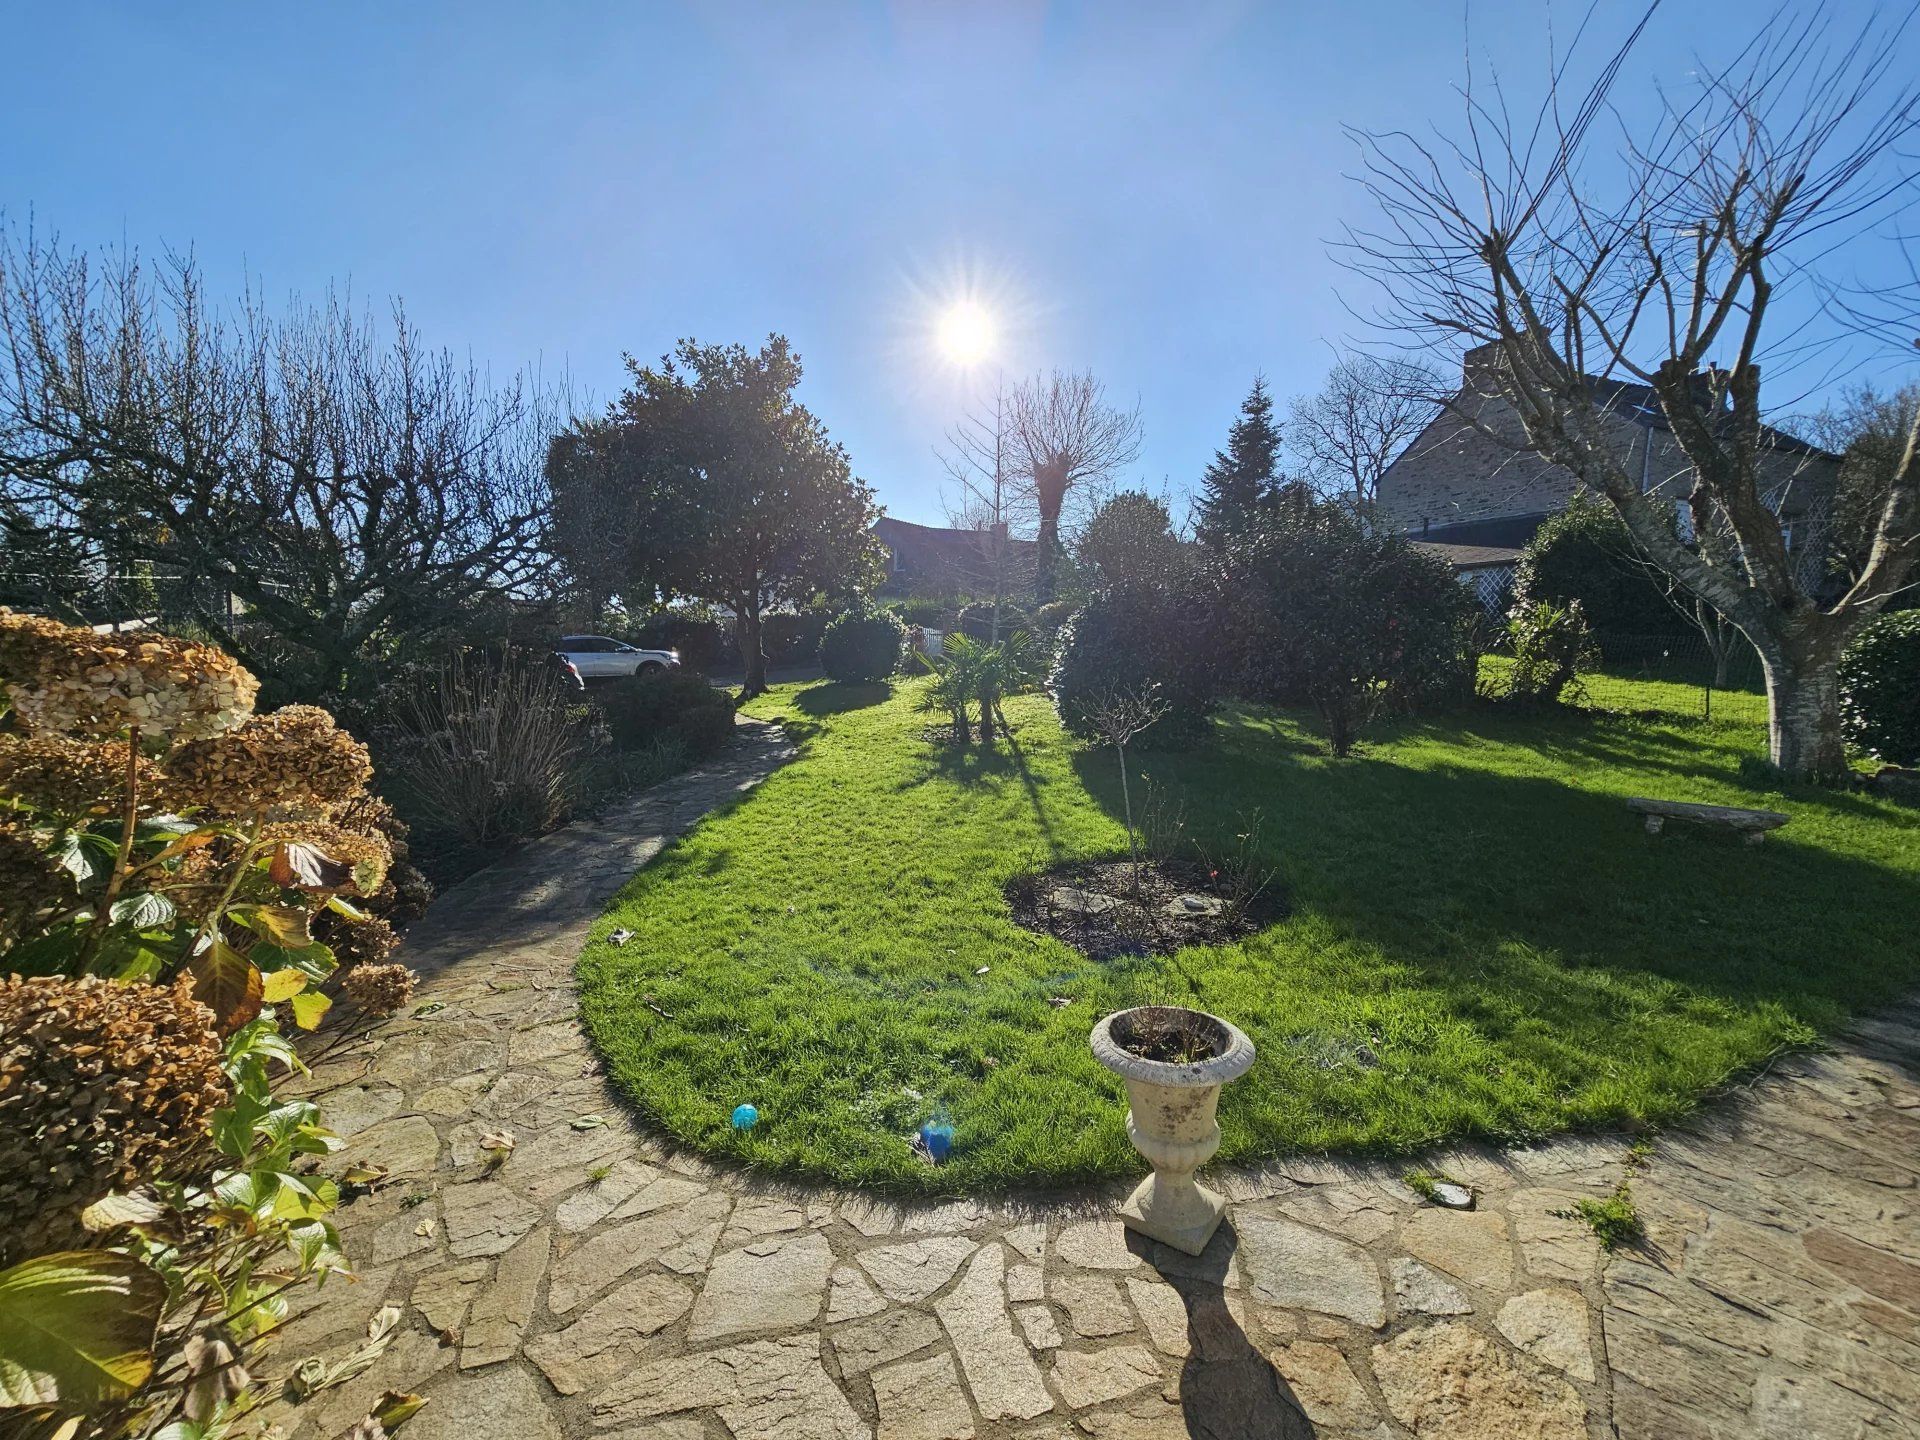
x: 69, y: 680
x: 30, y: 883
x: 195, y: 882
x: 364, y: 943
x: 405, y: 896
x: 73, y: 779
x: 379, y: 989
x: 294, y: 757
x: 103, y: 1086
x: 367, y: 856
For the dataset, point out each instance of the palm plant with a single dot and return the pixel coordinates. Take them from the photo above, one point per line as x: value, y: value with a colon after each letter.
x: 956, y: 675
x: 1014, y: 665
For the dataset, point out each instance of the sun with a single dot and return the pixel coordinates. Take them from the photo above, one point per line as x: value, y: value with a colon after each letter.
x: 966, y: 333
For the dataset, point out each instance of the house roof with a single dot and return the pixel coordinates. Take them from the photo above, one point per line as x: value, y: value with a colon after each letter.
x: 1470, y: 557
x: 1638, y: 403
x: 933, y: 542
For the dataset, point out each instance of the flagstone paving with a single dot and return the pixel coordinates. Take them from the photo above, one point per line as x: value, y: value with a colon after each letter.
x: 594, y: 1283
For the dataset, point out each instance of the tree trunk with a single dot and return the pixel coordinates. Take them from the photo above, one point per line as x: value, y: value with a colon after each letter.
x: 986, y: 715
x: 747, y: 630
x: 1045, y: 552
x: 1803, y: 711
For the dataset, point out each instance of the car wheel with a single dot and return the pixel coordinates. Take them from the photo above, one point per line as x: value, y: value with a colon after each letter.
x: 651, y: 667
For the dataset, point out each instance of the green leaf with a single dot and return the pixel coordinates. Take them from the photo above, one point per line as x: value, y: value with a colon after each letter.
x: 149, y: 911
x: 341, y: 906
x: 282, y: 925
x: 395, y: 1408
x: 310, y: 1008
x: 73, y: 854
x: 76, y: 1328
x: 314, y: 959
x: 49, y: 954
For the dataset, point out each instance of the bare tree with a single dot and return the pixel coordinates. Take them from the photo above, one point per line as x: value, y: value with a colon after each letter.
x: 976, y: 459
x: 1345, y: 434
x: 1066, y: 440
x: 1507, y: 237
x: 311, y: 489
x: 1118, y: 717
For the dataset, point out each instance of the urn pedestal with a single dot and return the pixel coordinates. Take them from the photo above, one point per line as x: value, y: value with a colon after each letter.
x: 1170, y: 1115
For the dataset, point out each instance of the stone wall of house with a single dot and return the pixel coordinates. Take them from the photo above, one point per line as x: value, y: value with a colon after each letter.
x: 1455, y: 473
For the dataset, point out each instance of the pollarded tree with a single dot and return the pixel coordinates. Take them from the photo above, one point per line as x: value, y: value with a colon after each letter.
x: 717, y: 485
x: 1066, y: 440
x: 1509, y: 236
x: 1244, y: 478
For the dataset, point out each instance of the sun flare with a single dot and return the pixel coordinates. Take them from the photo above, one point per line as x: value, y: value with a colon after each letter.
x: 966, y: 333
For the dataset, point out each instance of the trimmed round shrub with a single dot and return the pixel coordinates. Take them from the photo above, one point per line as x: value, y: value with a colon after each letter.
x: 1129, y: 541
x: 1050, y: 617
x: 1880, y: 688
x: 671, y: 705
x: 1584, y: 553
x: 975, y: 619
x: 1124, y: 640
x: 863, y: 645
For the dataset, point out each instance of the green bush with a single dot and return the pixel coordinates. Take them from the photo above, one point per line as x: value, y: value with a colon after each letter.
x: 1317, y: 610
x: 1880, y: 688
x: 792, y: 637
x: 704, y: 640
x: 1584, y: 553
x: 976, y: 619
x: 1052, y: 616
x: 927, y: 611
x: 863, y: 645
x: 1129, y: 541
x: 1552, y: 644
x: 1124, y: 640
x: 675, y: 705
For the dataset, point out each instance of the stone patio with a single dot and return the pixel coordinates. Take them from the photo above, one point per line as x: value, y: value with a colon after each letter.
x: 595, y: 1283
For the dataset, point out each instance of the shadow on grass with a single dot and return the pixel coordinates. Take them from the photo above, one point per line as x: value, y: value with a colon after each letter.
x: 978, y: 764
x: 1530, y: 904
x: 836, y: 697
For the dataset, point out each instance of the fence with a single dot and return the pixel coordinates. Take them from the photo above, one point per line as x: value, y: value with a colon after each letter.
x: 1675, y: 675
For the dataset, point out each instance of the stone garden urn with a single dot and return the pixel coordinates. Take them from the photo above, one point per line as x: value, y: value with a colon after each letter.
x: 1174, y: 1062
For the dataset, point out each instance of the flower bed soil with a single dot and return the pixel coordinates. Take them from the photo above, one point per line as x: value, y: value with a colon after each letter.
x: 1145, y: 916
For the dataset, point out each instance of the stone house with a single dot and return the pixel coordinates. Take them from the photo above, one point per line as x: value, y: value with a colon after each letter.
x: 1475, y: 498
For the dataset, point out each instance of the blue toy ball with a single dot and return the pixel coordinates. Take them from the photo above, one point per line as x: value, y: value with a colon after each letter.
x: 745, y: 1117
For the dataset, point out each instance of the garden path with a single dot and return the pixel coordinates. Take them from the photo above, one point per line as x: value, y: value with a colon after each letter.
x: 596, y: 1283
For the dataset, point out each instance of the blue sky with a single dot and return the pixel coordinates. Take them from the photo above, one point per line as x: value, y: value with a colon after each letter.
x: 1143, y: 190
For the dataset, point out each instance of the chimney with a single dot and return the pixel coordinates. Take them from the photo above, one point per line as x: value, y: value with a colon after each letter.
x: 1480, y: 367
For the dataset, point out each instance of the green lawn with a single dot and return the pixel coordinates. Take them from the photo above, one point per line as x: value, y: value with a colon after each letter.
x: 1471, y: 902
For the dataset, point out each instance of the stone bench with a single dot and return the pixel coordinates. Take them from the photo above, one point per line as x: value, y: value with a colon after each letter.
x: 1753, y: 824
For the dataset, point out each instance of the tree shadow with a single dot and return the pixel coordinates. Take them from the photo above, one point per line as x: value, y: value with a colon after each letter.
x: 1229, y: 1390
x: 1524, y: 901
x: 835, y: 697
x: 975, y: 764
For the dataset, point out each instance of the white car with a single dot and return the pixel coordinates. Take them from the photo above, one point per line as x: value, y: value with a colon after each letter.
x: 598, y: 658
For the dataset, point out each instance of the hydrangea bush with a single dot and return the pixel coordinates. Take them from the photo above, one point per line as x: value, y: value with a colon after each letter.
x: 179, y: 880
